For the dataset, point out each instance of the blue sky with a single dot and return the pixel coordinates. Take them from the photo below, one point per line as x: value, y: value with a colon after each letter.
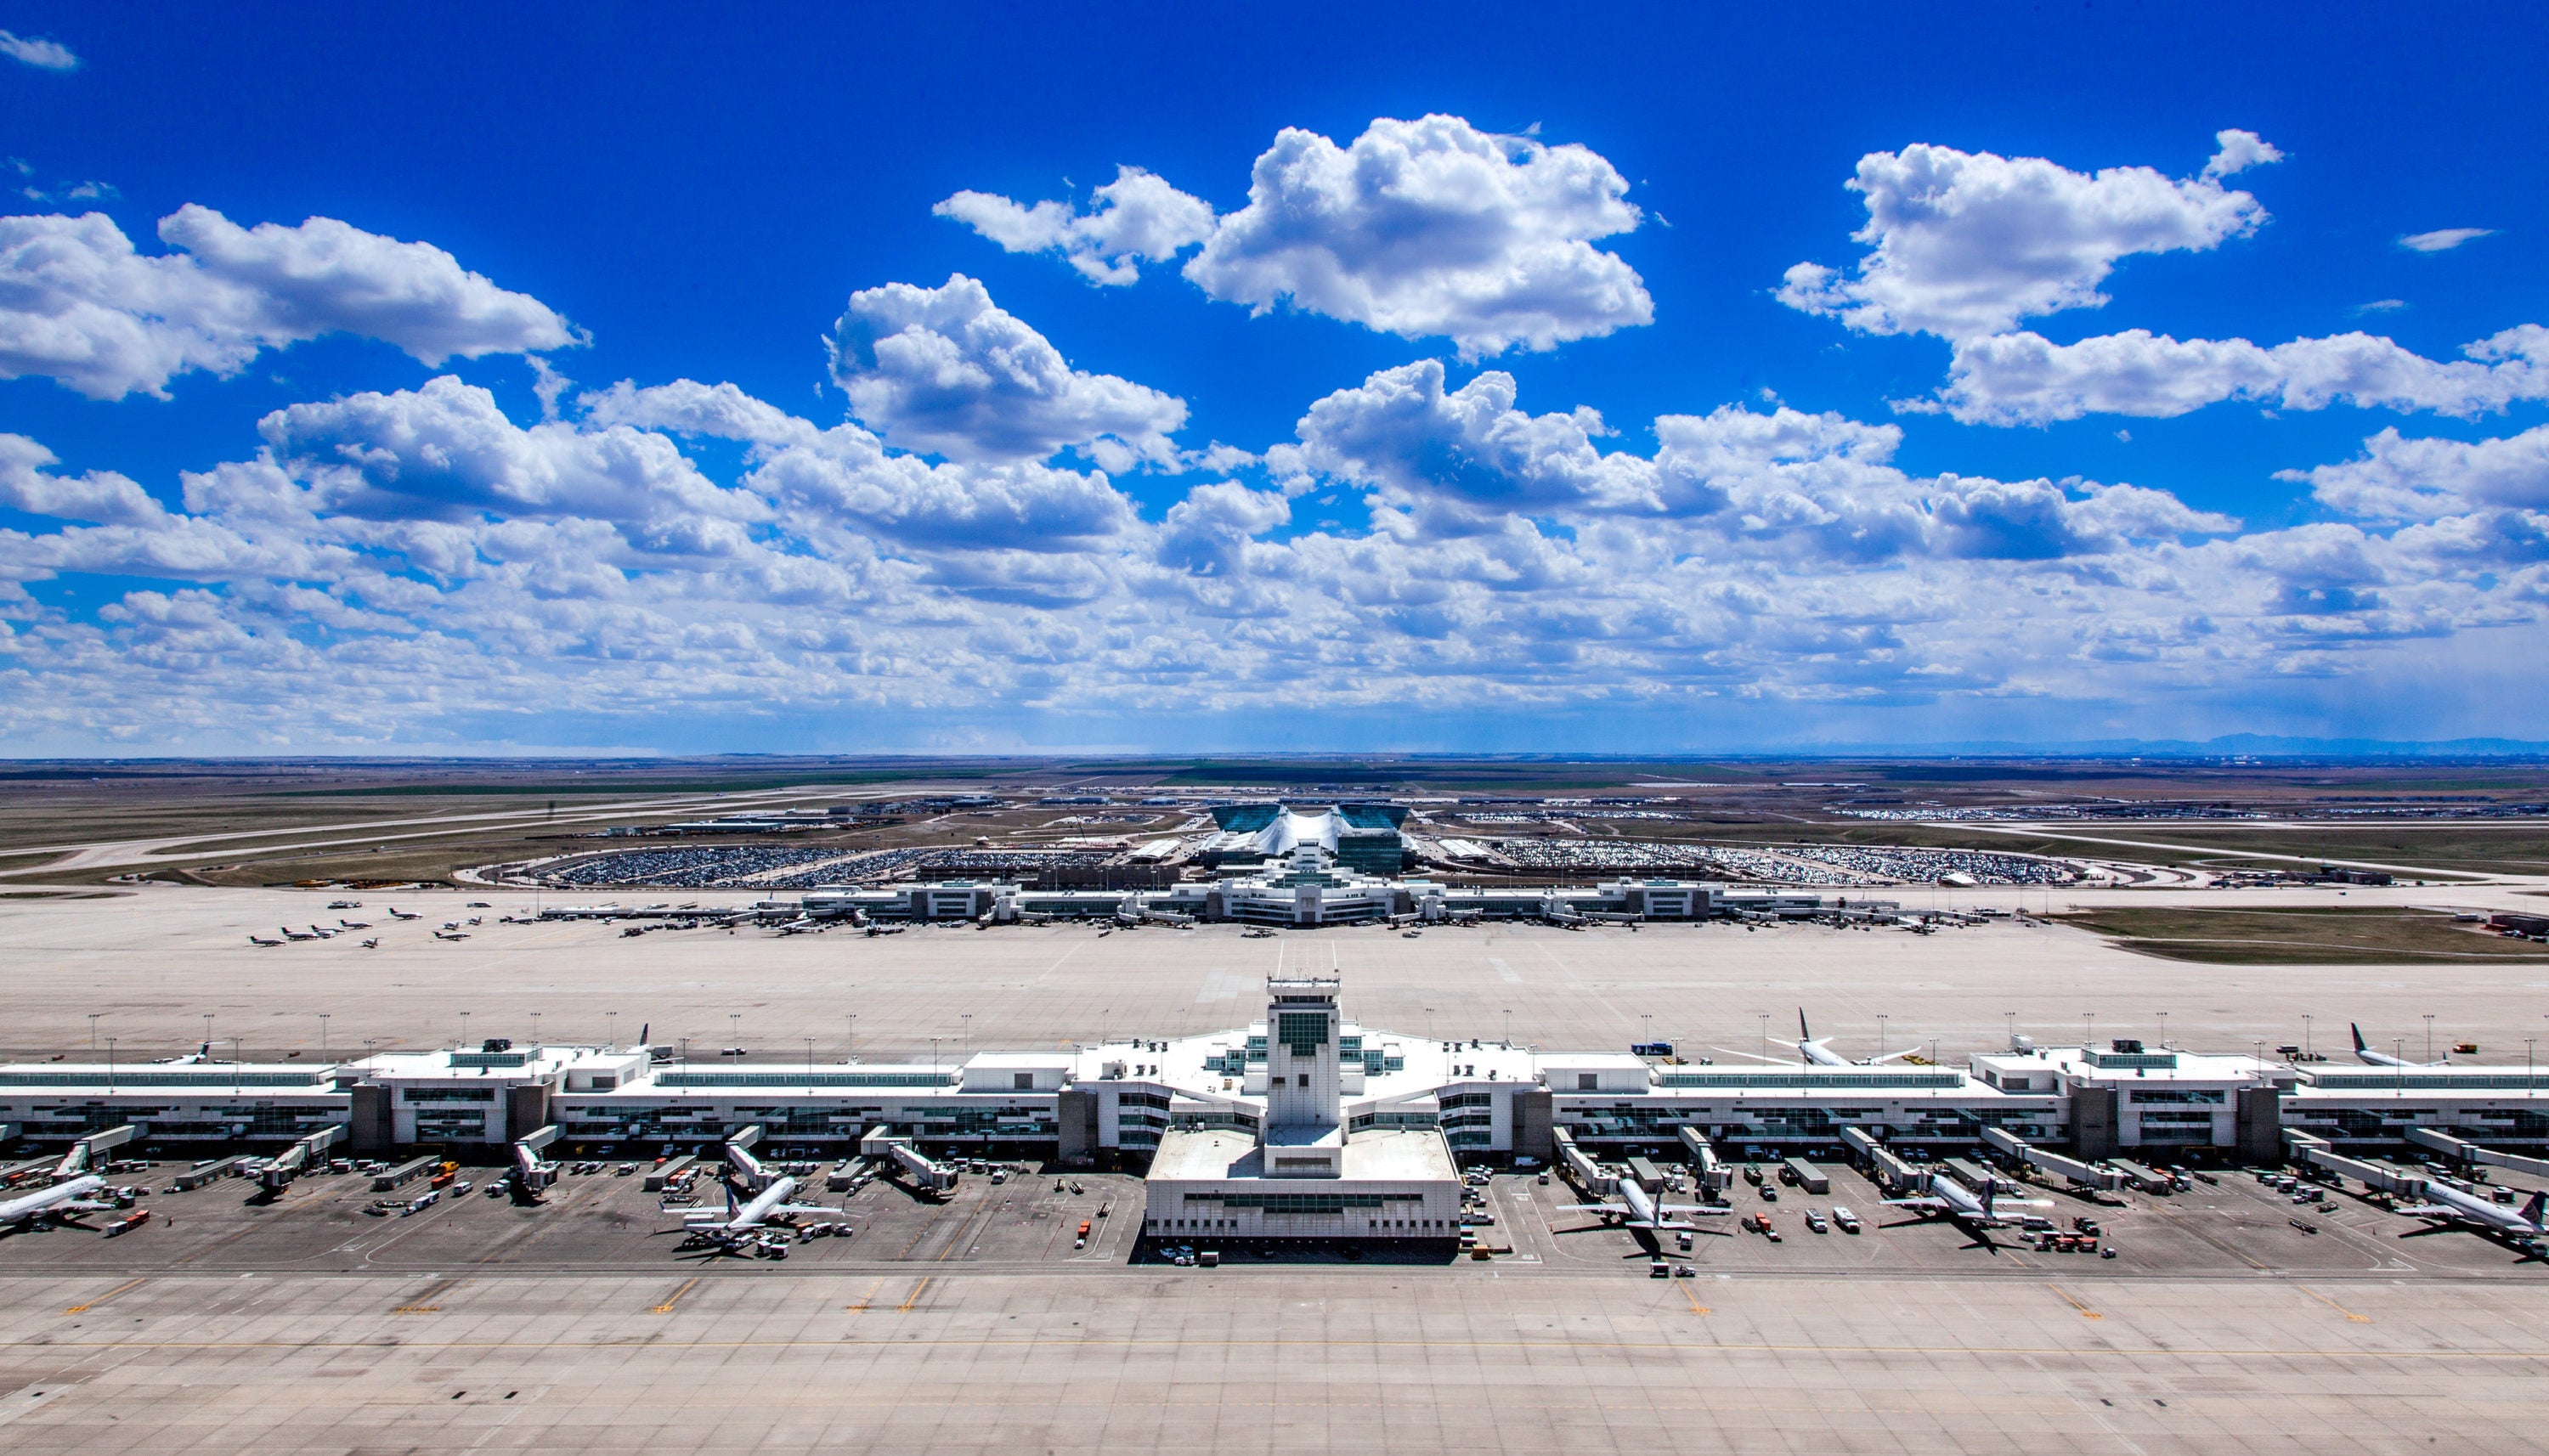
x: 1665, y: 379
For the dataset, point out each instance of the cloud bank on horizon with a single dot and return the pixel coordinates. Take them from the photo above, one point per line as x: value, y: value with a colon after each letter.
x: 989, y: 528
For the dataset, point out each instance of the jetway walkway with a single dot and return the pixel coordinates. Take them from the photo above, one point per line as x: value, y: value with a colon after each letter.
x: 925, y: 1173
x: 2148, y: 1180
x: 2318, y: 1153
x: 2470, y: 1152
x: 1891, y: 1171
x: 297, y: 1159
x: 1580, y: 1167
x: 1713, y: 1175
x: 2083, y: 1174
x: 533, y: 1172
x: 83, y: 1154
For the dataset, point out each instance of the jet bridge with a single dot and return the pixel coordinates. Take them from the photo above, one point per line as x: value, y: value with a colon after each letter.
x: 533, y: 1172
x: 83, y: 1154
x: 2085, y: 1175
x: 299, y: 1159
x: 741, y: 1165
x: 1713, y: 1175
x: 1588, y: 1174
x: 1891, y: 1171
x: 2318, y: 1153
x: 2470, y: 1152
x: 927, y: 1176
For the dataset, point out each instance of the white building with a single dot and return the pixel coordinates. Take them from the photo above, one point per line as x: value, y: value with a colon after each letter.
x: 1304, y: 1174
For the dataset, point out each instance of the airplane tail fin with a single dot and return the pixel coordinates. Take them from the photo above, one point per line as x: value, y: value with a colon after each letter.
x: 2533, y: 1211
x: 1989, y: 1185
x: 642, y: 1034
x: 732, y: 1208
x: 1802, y: 1034
x: 2358, y: 1036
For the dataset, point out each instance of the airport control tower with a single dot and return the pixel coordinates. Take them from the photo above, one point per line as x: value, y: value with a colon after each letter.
x: 1303, y: 1135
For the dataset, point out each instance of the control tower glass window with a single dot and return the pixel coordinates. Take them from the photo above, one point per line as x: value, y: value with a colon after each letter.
x: 1301, y: 1032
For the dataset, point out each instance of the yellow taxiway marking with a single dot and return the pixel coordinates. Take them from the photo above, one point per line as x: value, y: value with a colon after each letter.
x: 866, y: 1299
x: 675, y: 1297
x: 2333, y: 1305
x: 911, y: 1298
x: 1696, y: 1306
x: 2085, y: 1312
x: 100, y: 1299
x: 420, y: 1304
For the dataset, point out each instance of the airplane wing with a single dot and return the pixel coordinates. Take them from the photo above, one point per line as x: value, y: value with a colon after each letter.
x: 1696, y: 1208
x: 83, y: 1205
x: 1891, y: 1056
x: 2430, y: 1211
x: 1933, y: 1205
x: 806, y: 1207
x: 1750, y: 1057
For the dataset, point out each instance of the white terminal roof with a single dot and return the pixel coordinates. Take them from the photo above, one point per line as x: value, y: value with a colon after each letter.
x: 1216, y: 1155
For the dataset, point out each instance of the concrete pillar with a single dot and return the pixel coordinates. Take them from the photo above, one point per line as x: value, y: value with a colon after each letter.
x: 2094, y: 1122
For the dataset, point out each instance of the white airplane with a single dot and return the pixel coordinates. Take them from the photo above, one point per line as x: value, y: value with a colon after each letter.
x: 1951, y: 1200
x: 53, y: 1204
x: 2448, y: 1205
x: 451, y: 934
x: 343, y: 924
x: 1813, y: 1051
x: 373, y: 944
x: 2381, y: 1058
x: 742, y: 1219
x: 397, y: 914
x: 254, y: 938
x: 324, y: 933
x: 1638, y: 1209
x: 288, y: 934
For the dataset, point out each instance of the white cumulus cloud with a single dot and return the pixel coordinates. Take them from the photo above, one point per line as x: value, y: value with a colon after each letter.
x: 945, y: 371
x: 1138, y: 218
x: 79, y: 304
x: 2027, y: 379
x: 2397, y: 477
x: 1433, y: 228
x: 1964, y: 244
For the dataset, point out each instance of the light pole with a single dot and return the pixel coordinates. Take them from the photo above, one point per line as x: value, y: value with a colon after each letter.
x: 2163, y: 1031
x: 2089, y: 1038
x: 464, y: 1031
x: 208, y: 1033
x: 2398, y: 1055
x: 1880, y: 1037
x: 809, y: 1063
x: 851, y: 1052
x: 323, y: 1035
x: 934, y: 1051
x: 968, y: 1019
x: 1508, y: 1028
x: 2526, y: 1064
x: 1766, y: 1034
x: 535, y: 1029
x: 2011, y: 1017
x: 2305, y: 1036
x: 733, y: 1029
x: 235, y: 1066
x: 611, y: 1020
x: 110, y: 1063
x: 92, y: 1033
x: 2429, y: 1037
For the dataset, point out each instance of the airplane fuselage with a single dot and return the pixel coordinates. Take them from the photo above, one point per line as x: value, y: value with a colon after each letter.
x: 2469, y: 1207
x: 49, y: 1201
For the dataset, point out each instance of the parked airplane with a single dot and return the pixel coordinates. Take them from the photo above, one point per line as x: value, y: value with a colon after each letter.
x: 54, y: 1204
x: 288, y: 934
x: 1638, y: 1209
x: 254, y: 938
x: 2448, y: 1205
x: 397, y: 914
x: 373, y: 944
x: 343, y: 924
x: 451, y: 936
x: 1954, y: 1200
x: 741, y: 1220
x: 2381, y: 1058
x: 1816, y: 1051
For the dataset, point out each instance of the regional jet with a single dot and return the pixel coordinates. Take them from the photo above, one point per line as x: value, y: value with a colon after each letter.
x: 2366, y: 1055
x: 288, y: 934
x: 397, y: 914
x: 1638, y: 1209
x: 451, y: 936
x: 254, y: 938
x: 54, y: 1204
x: 373, y: 944
x: 2449, y: 1205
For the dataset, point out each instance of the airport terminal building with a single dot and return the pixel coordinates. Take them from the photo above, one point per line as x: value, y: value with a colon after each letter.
x: 1223, y: 1119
